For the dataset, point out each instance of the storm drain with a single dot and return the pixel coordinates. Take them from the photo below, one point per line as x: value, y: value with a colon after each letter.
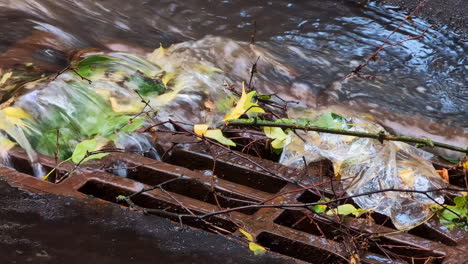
x: 201, y: 180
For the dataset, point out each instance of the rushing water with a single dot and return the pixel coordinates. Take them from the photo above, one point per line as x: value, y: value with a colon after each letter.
x: 305, y: 49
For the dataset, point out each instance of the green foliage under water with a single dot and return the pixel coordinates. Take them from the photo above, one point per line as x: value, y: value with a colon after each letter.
x: 454, y: 215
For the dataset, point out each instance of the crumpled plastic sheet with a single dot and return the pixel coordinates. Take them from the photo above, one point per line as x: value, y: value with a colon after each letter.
x: 365, y: 165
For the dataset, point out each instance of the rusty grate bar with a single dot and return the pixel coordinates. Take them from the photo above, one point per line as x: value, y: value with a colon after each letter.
x: 240, y: 180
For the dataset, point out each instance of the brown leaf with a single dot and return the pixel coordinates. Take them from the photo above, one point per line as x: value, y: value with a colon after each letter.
x: 210, y: 105
x: 444, y: 174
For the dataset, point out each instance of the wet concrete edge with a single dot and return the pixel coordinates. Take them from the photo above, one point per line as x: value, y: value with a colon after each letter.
x: 47, y: 228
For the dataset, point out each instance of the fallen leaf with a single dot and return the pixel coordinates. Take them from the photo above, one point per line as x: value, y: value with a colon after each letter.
x: 206, y: 69
x: 6, y: 144
x: 278, y: 136
x: 200, y: 129
x: 244, y: 106
x: 407, y: 176
x: 14, y: 115
x: 257, y: 249
x: 210, y: 105
x: 247, y: 235
x: 83, y: 148
x: 127, y: 108
x: 355, y: 259
x: 444, y: 174
x: 167, y: 78
x: 15, y: 112
x: 320, y: 208
x: 5, y: 77
x: 216, y: 134
x: 347, y: 209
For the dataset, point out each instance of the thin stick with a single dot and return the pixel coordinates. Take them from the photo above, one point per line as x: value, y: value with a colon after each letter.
x: 379, y: 136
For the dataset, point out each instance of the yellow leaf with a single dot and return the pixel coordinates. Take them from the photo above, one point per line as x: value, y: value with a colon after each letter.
x: 407, y: 176
x: 244, y: 106
x: 465, y: 165
x: 206, y: 69
x: 200, y: 129
x: 257, y: 249
x: 278, y: 136
x: 247, y: 235
x: 14, y: 115
x: 15, y: 112
x: 167, y: 78
x: 355, y: 259
x: 5, y: 77
x: 217, y: 135
x: 5, y: 144
x: 128, y: 108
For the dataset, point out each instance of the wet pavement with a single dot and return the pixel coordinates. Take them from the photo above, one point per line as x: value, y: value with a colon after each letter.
x: 47, y: 228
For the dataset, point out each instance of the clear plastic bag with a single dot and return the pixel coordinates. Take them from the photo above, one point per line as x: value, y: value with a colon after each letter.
x: 367, y: 166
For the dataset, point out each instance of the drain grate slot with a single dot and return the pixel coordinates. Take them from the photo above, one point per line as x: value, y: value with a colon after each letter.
x: 401, y: 251
x: 297, y: 249
x: 426, y: 232
x: 109, y: 193
x: 299, y: 221
x: 202, y: 192
x: 23, y: 165
x: 141, y: 173
x: 229, y: 171
x: 192, y: 188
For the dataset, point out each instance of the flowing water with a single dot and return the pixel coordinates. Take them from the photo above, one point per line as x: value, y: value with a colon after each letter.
x: 306, y: 48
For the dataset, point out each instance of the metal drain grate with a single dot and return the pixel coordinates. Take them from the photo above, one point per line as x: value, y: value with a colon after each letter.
x: 244, y: 180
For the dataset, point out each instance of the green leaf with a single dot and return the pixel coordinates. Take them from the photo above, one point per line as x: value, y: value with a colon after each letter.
x: 347, y: 209
x: 453, y: 161
x: 82, y: 149
x: 93, y: 64
x: 147, y: 86
x: 132, y: 125
x: 278, y: 136
x: 121, y: 198
x: 320, y: 208
x: 264, y: 97
x: 257, y: 249
x: 330, y: 120
x: 95, y: 156
x: 461, y: 201
x: 454, y: 215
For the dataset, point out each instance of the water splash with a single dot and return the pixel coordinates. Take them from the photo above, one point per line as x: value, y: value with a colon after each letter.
x: 119, y: 168
x: 38, y: 170
x: 138, y: 143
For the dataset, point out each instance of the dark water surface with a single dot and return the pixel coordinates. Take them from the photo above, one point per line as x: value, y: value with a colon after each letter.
x: 322, y: 41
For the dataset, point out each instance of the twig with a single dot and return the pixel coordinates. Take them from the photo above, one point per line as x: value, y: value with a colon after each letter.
x: 253, y: 71
x: 306, y: 205
x: 379, y: 136
x: 373, y: 56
